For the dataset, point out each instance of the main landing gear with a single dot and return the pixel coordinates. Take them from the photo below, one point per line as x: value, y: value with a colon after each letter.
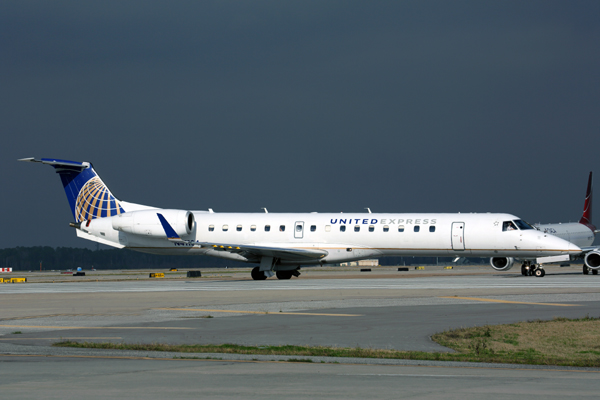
x: 586, y: 270
x: 528, y: 269
x: 283, y: 274
x: 259, y: 275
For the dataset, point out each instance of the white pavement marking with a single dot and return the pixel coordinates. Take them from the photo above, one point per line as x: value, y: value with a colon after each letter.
x: 488, y: 282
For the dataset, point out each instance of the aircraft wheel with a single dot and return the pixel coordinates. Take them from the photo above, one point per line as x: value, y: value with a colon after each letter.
x: 257, y: 274
x: 585, y: 270
x: 283, y: 274
x: 594, y: 272
x: 539, y: 273
x: 524, y: 270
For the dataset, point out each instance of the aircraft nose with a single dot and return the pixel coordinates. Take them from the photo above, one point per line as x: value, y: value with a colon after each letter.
x: 574, y: 249
x: 565, y: 246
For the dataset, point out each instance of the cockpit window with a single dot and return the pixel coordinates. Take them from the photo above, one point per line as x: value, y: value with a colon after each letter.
x: 508, y: 226
x: 523, y: 225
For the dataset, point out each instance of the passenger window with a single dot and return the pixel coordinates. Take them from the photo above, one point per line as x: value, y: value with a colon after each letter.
x: 238, y: 228
x: 357, y: 228
x: 225, y: 228
x: 400, y: 228
x: 432, y: 229
x: 267, y: 228
x: 386, y: 228
x: 252, y: 228
x: 327, y: 228
x: 371, y: 228
x: 342, y: 228
x: 417, y: 228
x: 211, y: 228
x: 313, y: 228
x: 281, y: 228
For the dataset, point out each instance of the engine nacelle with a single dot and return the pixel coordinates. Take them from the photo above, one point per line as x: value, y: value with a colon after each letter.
x: 146, y: 222
x: 592, y: 260
x: 502, y: 263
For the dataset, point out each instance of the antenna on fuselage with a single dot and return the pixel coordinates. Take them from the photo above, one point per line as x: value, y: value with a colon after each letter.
x: 266, y: 211
x: 368, y: 209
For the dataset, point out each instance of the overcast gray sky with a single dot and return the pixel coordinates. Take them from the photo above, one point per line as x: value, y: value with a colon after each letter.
x: 299, y: 106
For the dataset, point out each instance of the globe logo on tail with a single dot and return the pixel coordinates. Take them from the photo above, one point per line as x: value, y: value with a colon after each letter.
x: 96, y: 201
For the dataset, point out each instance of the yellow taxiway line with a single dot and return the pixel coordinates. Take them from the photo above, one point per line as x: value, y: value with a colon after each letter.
x: 509, y: 302
x: 259, y: 312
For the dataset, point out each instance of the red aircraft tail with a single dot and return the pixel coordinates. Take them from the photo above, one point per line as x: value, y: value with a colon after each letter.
x: 586, y: 218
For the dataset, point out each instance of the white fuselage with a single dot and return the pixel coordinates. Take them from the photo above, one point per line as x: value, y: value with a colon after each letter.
x: 346, y: 237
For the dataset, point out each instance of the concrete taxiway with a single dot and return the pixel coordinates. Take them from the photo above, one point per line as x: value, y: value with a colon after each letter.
x: 346, y: 310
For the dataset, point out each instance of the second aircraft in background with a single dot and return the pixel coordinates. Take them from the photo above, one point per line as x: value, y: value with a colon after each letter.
x: 581, y: 233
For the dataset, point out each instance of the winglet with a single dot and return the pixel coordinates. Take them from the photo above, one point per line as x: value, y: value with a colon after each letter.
x: 171, y: 235
x: 586, y: 218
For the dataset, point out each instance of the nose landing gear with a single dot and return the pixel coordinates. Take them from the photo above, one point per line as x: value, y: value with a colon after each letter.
x: 528, y: 269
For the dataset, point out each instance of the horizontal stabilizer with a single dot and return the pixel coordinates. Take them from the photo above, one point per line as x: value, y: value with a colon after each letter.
x: 93, y: 238
x: 58, y: 163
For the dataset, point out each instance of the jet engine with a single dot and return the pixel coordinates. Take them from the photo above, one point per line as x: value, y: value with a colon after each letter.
x: 146, y: 222
x: 502, y: 263
x: 592, y: 260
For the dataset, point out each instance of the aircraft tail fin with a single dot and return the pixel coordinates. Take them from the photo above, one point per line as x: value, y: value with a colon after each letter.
x: 586, y: 218
x: 88, y: 196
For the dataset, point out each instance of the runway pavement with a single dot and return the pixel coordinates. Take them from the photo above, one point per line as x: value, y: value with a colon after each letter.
x: 139, y: 378
x: 380, y: 313
x: 566, y: 281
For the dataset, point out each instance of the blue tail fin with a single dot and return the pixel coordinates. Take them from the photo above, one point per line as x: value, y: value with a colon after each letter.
x: 88, y: 196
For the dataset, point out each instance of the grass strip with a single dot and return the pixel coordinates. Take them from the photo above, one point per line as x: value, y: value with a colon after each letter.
x: 561, y: 342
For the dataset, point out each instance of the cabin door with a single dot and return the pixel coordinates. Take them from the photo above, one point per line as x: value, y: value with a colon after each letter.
x: 458, y: 236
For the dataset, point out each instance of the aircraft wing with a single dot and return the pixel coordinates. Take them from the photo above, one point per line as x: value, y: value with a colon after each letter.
x: 589, y: 248
x: 286, y: 253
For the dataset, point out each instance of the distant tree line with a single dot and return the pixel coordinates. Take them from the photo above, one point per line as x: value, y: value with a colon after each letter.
x: 61, y: 258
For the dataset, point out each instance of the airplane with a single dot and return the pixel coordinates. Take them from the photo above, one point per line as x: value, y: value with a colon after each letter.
x: 580, y: 233
x: 281, y: 243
